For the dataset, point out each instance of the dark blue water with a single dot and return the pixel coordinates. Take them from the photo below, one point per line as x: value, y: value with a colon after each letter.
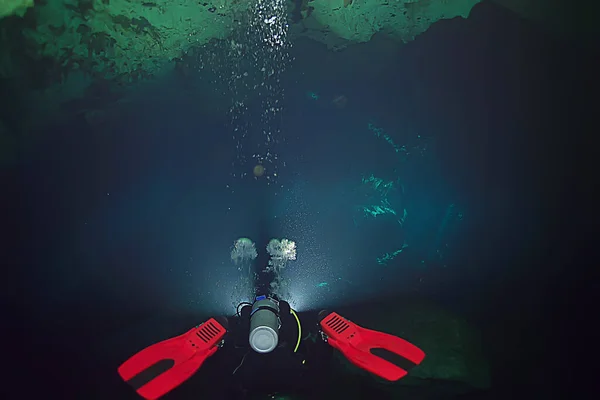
x: 136, y: 221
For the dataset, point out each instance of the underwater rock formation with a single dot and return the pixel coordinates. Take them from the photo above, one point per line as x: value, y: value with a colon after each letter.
x: 14, y: 7
x: 130, y: 41
x: 54, y: 51
x: 339, y: 23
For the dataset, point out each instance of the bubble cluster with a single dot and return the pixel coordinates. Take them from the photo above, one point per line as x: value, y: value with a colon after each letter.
x: 259, y: 50
x: 281, y: 251
x: 243, y: 254
x: 243, y: 251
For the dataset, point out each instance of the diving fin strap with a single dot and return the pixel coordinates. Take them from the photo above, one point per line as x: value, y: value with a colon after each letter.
x: 384, y: 355
x: 163, y: 366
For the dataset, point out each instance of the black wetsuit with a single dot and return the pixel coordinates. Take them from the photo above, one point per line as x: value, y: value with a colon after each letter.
x: 282, y: 370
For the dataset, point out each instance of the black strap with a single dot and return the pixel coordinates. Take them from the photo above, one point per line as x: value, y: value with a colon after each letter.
x: 273, y: 310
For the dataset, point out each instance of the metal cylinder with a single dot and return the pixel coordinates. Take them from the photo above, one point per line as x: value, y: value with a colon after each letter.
x: 264, y: 325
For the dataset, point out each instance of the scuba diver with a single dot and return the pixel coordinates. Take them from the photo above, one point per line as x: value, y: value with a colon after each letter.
x: 273, y: 351
x: 266, y: 347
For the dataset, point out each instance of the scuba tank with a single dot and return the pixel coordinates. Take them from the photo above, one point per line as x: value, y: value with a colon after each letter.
x: 264, y: 324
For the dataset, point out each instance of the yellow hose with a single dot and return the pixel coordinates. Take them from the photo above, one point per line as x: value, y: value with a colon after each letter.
x: 299, y: 329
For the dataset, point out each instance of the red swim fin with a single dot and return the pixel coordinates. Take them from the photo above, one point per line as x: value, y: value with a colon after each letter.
x: 384, y: 355
x: 163, y: 366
